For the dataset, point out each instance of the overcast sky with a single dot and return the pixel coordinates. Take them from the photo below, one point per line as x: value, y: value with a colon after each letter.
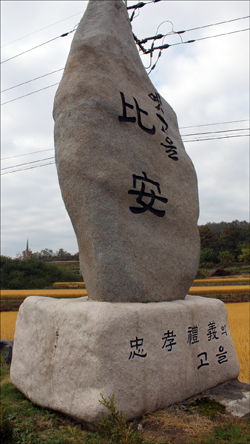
x: 206, y: 82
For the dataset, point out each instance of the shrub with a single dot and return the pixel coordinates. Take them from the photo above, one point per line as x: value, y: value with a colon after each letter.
x: 245, y: 256
x: 208, y: 256
x: 226, y: 257
x: 115, y: 428
x: 201, y: 273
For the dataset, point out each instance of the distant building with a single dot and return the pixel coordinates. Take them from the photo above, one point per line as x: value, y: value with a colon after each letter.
x: 27, y: 253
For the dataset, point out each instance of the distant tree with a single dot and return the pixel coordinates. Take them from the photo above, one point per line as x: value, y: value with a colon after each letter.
x: 226, y: 258
x: 218, y: 227
x: 245, y: 256
x: 47, y: 253
x: 208, y: 237
x: 61, y: 254
x: 225, y: 238
x: 208, y: 256
x: 230, y: 237
x: 24, y: 255
x: 32, y: 274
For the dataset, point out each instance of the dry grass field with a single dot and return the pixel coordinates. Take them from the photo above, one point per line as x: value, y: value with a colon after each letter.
x: 8, y: 323
x: 238, y: 319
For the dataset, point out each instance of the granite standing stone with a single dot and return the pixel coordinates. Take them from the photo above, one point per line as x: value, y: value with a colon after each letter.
x: 127, y: 182
x: 131, y: 192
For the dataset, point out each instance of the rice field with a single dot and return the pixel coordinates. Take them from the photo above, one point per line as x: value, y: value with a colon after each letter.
x: 8, y: 323
x: 55, y: 293
x: 238, y: 320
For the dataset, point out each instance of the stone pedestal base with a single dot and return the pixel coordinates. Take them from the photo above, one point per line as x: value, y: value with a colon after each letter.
x: 66, y: 352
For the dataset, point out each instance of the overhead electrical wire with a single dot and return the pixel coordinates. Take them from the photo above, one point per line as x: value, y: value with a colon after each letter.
x: 29, y: 94
x: 139, y: 42
x: 26, y: 154
x: 141, y: 4
x: 53, y: 162
x: 38, y: 46
x: 160, y: 36
x: 42, y: 29
x: 183, y: 135
x: 30, y: 165
x: 213, y: 24
x: 29, y: 168
x: 216, y: 138
x: 216, y: 132
x: 32, y: 80
x: 217, y: 123
x: 27, y: 163
x: 146, y: 52
x: 179, y: 33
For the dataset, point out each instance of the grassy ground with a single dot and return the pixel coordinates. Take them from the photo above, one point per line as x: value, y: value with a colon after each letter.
x: 200, y: 422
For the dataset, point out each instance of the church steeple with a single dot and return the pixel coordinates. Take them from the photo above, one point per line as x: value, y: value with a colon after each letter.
x: 27, y: 253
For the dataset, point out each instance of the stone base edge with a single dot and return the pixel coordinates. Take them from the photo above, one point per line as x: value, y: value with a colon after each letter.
x: 66, y: 352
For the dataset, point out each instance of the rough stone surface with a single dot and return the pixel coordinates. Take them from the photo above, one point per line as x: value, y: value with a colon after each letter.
x: 111, y: 124
x: 66, y: 352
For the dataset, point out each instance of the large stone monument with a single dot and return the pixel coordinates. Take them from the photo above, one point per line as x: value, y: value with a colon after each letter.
x: 131, y: 192
x: 126, y: 180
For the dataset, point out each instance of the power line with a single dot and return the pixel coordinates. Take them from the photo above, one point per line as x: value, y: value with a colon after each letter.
x: 218, y: 123
x: 165, y: 46
x: 50, y: 158
x: 148, y: 51
x: 29, y: 94
x: 141, y: 4
x: 38, y: 46
x: 145, y: 52
x: 183, y: 135
x: 139, y: 42
x: 28, y: 168
x: 216, y: 132
x: 32, y: 80
x: 26, y: 163
x: 26, y: 154
x: 215, y: 24
x: 41, y: 29
x: 160, y: 36
x: 216, y: 138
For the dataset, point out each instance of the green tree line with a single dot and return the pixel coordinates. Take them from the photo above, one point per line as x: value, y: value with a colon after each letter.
x: 222, y: 244
x: 225, y: 243
x: 49, y: 255
x: 19, y: 274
